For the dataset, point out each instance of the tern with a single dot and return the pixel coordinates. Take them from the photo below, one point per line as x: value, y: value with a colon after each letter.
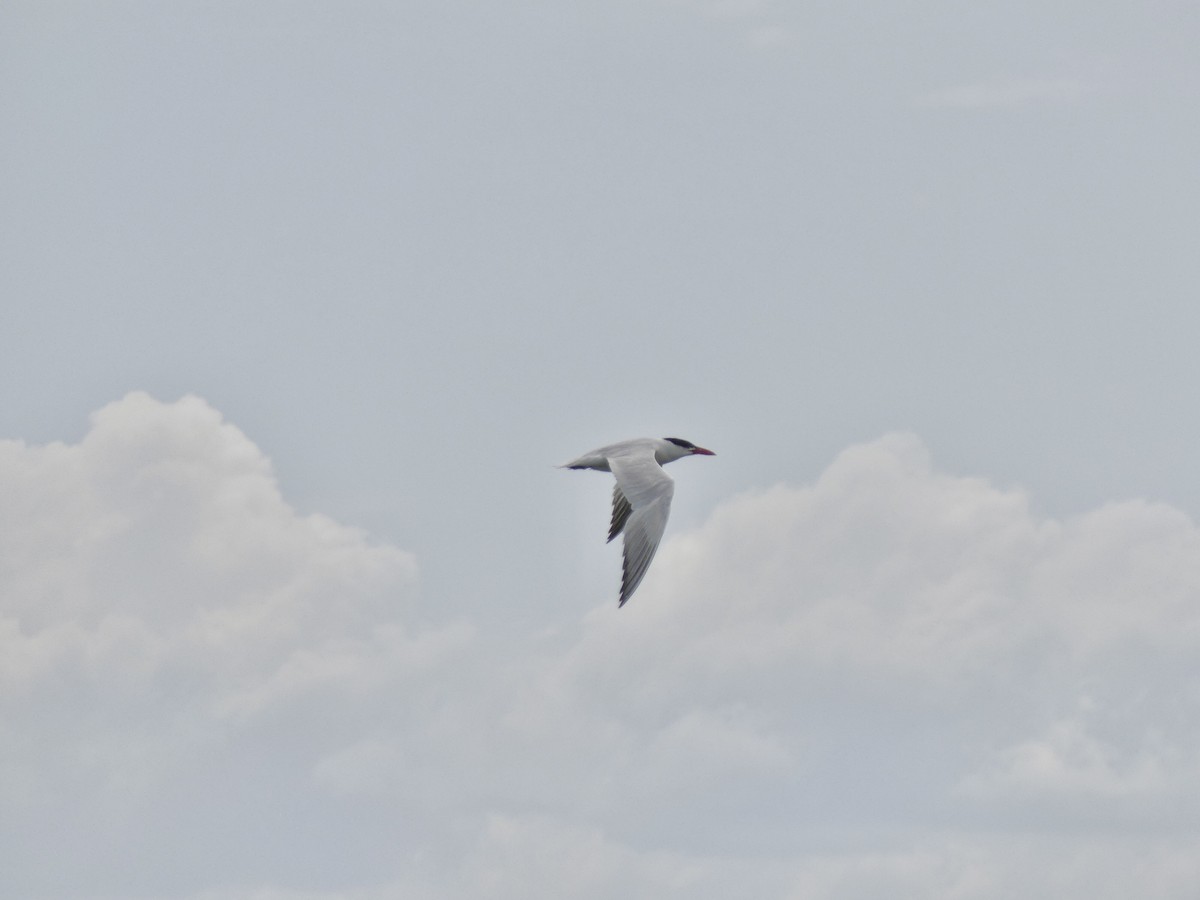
x: 641, y: 497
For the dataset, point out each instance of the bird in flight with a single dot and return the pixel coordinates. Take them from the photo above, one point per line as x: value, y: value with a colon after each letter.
x: 641, y: 496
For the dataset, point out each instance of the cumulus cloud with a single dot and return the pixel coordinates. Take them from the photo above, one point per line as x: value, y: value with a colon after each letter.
x: 167, y: 619
x: 893, y: 644
x: 889, y: 584
x: 890, y: 680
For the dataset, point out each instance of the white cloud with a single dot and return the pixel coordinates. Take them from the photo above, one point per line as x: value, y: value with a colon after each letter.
x: 899, y: 643
x: 1067, y: 759
x: 167, y: 619
x: 886, y: 581
x: 890, y: 680
x: 1004, y: 92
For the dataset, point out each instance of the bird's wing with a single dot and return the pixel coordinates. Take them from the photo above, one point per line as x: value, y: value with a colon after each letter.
x: 620, y: 512
x: 648, y: 491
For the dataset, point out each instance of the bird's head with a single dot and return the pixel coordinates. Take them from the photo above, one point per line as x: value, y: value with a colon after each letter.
x: 681, y: 448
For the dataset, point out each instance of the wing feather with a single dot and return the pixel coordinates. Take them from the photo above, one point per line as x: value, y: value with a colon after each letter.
x: 620, y: 512
x: 647, y: 490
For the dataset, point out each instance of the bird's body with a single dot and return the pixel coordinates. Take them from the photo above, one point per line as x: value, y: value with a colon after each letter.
x: 641, y: 496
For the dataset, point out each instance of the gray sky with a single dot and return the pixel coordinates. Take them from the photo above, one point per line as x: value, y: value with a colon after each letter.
x: 302, y: 302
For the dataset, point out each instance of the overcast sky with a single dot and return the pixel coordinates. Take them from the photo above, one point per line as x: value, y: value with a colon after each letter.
x: 302, y: 302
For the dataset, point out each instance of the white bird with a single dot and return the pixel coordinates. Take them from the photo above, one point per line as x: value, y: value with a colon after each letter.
x: 641, y: 496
